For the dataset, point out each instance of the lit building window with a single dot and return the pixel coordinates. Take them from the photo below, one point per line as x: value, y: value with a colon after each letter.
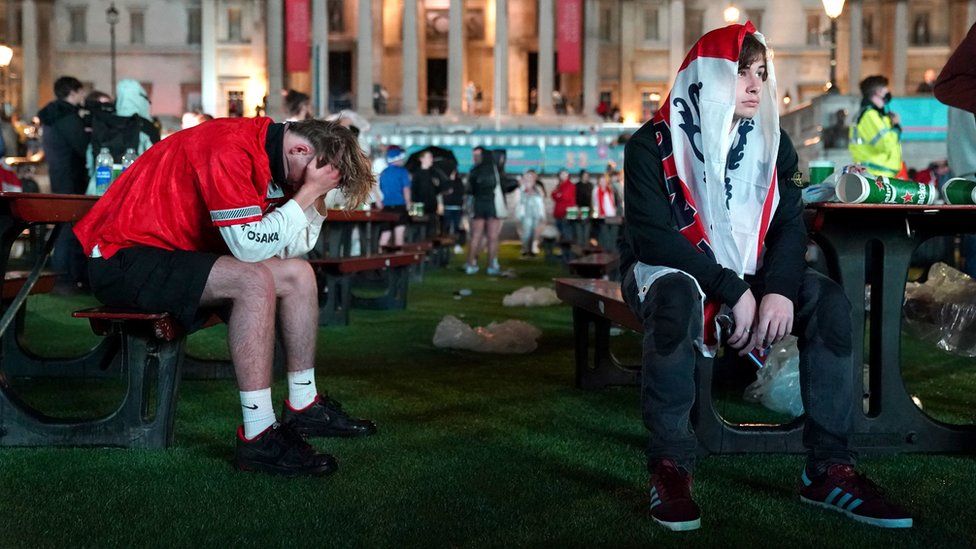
x: 137, y: 27
x: 194, y: 25
x: 76, y: 16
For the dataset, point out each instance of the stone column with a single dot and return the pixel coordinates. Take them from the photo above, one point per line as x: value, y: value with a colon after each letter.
x: 208, y: 58
x: 31, y: 61
x: 364, y: 59
x: 320, y: 57
x: 500, y: 101
x: 629, y: 98
x: 676, y: 37
x: 455, y: 58
x: 411, y: 79
x: 591, y: 52
x: 900, y: 52
x: 274, y: 27
x: 546, y: 53
x: 856, y: 46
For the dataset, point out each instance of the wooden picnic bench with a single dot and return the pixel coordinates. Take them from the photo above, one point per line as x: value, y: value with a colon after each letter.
x: 597, y: 265
x: 598, y: 304
x: 336, y: 276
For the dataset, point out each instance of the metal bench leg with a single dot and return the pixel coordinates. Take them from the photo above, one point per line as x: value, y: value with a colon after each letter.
x: 335, y: 307
x: 717, y: 436
x: 604, y: 370
x: 150, y: 365
x: 19, y: 361
x: 398, y: 281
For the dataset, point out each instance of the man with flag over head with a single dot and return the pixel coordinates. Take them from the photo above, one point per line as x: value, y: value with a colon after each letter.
x: 714, y: 230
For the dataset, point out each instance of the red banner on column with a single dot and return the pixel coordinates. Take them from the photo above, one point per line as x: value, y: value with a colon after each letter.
x: 569, y: 39
x: 297, y: 40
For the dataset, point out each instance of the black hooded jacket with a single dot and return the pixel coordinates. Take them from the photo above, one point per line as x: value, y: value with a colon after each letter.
x: 65, y: 145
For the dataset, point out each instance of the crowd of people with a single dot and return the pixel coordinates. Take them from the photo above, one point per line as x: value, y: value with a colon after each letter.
x: 473, y: 207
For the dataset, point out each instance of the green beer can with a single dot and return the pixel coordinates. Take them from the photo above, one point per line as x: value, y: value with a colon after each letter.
x: 959, y: 191
x: 820, y: 170
x: 854, y: 188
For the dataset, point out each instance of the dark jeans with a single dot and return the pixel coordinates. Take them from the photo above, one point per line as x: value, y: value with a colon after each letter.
x: 451, y: 222
x: 671, y: 318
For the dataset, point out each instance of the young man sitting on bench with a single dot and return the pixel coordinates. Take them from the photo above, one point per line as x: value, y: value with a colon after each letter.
x: 714, y: 221
x: 212, y: 217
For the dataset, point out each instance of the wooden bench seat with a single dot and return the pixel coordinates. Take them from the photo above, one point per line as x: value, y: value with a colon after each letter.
x: 13, y: 281
x: 598, y: 304
x: 336, y: 276
x: 598, y: 265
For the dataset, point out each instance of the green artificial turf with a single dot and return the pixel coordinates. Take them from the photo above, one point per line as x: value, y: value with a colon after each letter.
x: 473, y: 450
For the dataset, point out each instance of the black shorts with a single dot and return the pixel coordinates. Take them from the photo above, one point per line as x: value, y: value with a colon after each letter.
x: 154, y: 280
x: 484, y: 209
x: 399, y: 210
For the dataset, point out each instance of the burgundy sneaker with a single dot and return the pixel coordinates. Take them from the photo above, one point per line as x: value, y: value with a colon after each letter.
x: 846, y: 491
x: 671, y: 503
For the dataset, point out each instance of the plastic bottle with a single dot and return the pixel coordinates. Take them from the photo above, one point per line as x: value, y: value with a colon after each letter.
x: 128, y: 158
x: 103, y: 171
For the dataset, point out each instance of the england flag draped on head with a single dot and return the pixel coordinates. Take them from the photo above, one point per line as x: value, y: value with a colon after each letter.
x: 713, y: 165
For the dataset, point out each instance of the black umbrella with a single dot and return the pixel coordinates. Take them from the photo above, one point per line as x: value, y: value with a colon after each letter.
x: 444, y: 161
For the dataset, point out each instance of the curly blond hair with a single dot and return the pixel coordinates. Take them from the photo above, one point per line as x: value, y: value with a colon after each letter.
x: 337, y: 145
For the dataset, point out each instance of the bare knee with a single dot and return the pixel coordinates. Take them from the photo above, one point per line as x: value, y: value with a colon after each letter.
x: 255, y: 283
x: 294, y: 276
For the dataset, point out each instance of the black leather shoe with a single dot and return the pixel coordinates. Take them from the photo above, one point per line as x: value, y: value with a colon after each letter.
x: 280, y: 450
x: 324, y: 417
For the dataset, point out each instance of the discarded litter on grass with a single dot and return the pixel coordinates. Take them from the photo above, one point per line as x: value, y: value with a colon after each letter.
x: 531, y: 297
x: 509, y: 337
x: 942, y: 310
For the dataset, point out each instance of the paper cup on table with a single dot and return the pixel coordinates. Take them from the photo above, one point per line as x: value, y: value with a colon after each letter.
x: 857, y: 189
x: 959, y: 191
x: 820, y: 170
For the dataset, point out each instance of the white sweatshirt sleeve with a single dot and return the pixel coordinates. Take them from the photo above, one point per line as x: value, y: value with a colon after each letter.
x: 281, y: 232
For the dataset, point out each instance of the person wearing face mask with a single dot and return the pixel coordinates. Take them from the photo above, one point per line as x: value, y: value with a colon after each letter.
x: 875, y: 136
x: 714, y: 223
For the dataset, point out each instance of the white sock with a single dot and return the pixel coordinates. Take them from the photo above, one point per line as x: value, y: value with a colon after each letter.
x: 301, y: 388
x: 258, y: 412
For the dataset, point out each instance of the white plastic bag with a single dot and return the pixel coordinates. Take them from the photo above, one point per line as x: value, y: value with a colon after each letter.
x: 531, y: 297
x: 943, y: 310
x: 777, y: 385
x: 509, y: 337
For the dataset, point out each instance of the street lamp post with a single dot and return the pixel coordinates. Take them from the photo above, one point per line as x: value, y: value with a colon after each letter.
x: 833, y: 9
x: 112, y: 16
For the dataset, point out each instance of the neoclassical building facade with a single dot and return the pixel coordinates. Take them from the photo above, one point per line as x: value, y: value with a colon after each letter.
x: 413, y: 58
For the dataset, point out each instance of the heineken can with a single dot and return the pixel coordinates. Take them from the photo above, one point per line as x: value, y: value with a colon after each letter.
x: 857, y: 189
x: 959, y: 191
x: 820, y: 170
x: 572, y: 212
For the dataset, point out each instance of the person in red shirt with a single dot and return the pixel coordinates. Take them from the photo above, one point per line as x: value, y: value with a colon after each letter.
x: 215, y: 217
x: 564, y: 196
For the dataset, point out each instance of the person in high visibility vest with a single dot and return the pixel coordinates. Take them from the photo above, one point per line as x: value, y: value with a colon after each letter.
x: 875, y: 140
